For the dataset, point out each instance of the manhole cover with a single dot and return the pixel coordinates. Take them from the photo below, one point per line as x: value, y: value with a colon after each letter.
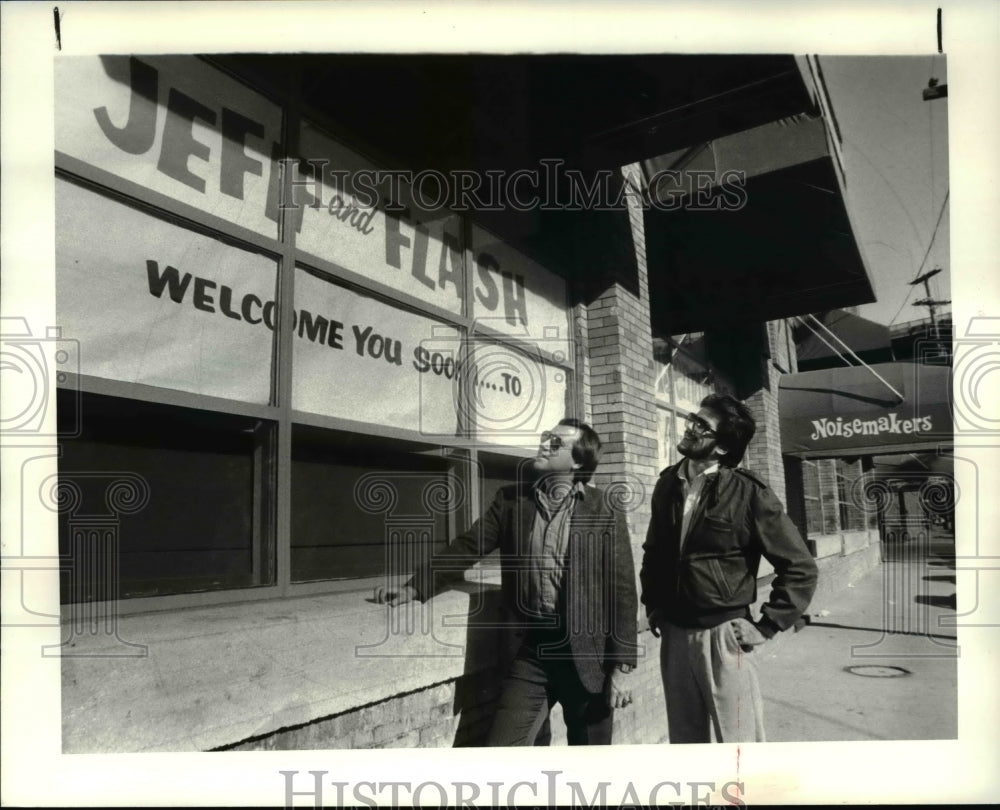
x: 876, y: 671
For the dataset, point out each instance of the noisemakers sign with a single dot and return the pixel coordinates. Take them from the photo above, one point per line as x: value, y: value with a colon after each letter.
x: 843, y: 411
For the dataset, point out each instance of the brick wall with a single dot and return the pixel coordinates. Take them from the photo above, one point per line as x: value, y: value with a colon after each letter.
x: 458, y: 713
x: 619, y: 349
x: 582, y: 406
x: 426, y: 718
x: 764, y: 453
x: 616, y: 394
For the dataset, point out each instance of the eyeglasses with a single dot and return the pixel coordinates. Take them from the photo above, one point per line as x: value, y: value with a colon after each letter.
x: 552, y: 440
x: 698, y: 425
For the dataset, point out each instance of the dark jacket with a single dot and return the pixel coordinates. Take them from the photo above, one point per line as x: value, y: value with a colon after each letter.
x: 737, y: 520
x: 598, y: 594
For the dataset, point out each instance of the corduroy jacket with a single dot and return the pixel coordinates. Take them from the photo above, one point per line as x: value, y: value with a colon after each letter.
x: 598, y: 601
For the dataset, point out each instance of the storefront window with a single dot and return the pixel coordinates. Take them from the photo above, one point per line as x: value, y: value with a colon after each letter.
x: 813, y: 502
x: 852, y: 516
x: 173, y: 126
x: 371, y: 224
x: 358, y: 358
x: 153, y: 303
x: 683, y: 379
x: 424, y: 351
x: 178, y: 494
x: 361, y: 509
x: 496, y: 471
x: 828, y: 485
x: 517, y: 297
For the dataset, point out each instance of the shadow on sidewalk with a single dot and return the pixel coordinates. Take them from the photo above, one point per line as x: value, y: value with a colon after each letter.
x: 883, y: 630
x: 948, y: 602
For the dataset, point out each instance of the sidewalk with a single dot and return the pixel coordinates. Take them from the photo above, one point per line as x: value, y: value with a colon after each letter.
x: 900, y: 615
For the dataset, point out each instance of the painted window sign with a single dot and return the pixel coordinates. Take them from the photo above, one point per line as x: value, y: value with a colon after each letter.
x: 371, y: 221
x: 375, y: 229
x: 156, y: 304
x: 358, y: 358
x: 177, y: 126
x: 513, y: 294
x: 153, y: 303
x: 361, y: 359
x: 513, y: 395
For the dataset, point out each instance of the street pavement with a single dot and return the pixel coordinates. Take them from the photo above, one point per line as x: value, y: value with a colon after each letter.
x: 895, y: 628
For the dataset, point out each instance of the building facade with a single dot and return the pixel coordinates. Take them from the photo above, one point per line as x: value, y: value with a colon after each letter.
x: 303, y: 368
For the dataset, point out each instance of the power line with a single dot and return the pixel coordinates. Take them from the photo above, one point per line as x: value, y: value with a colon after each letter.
x: 926, y: 254
x: 934, y: 234
x: 905, y: 301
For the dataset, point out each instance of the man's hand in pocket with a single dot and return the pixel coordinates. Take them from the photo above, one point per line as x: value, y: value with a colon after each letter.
x: 747, y: 634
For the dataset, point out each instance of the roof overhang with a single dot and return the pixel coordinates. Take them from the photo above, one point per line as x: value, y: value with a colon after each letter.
x: 848, y: 411
x: 751, y: 227
x: 594, y: 112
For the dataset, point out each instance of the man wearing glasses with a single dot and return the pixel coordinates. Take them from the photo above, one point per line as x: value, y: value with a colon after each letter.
x: 711, y: 523
x: 569, y: 596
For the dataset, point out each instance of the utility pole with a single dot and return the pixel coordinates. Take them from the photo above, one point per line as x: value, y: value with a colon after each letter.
x: 935, y: 90
x: 931, y: 305
x: 928, y: 302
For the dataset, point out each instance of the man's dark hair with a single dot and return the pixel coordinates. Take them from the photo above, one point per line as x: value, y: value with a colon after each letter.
x: 586, y: 449
x: 736, y: 426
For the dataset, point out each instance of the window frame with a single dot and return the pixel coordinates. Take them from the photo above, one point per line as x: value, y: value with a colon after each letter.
x: 282, y: 248
x: 667, y: 406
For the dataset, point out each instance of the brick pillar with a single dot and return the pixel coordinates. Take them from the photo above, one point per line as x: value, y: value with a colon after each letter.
x: 582, y: 406
x: 622, y: 396
x: 764, y: 453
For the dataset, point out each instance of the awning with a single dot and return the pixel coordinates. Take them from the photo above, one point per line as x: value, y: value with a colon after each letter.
x: 847, y: 411
x: 867, y: 339
x: 595, y: 112
x: 777, y: 244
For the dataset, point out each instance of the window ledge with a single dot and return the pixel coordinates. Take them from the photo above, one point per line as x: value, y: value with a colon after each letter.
x: 214, y: 676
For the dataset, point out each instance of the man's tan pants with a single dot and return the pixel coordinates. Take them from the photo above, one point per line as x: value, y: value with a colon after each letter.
x: 711, y: 686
